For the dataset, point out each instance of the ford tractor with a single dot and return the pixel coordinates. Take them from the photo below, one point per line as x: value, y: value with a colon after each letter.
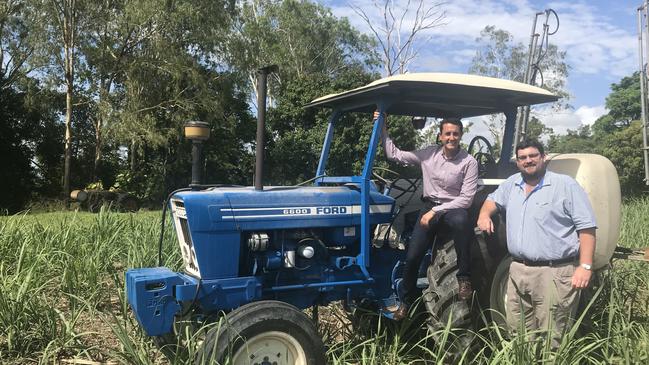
x: 256, y: 257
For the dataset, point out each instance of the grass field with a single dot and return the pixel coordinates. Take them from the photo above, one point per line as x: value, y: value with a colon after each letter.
x: 62, y: 299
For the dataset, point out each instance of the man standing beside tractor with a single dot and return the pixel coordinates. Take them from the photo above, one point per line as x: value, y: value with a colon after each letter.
x: 551, y: 238
x: 450, y: 178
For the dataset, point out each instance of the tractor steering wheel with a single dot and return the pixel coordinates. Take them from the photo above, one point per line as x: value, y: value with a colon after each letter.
x: 389, y: 179
x: 482, y: 151
x: 385, y: 175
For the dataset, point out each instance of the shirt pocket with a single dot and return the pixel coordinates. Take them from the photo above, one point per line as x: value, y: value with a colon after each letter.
x: 542, y: 210
x: 453, y: 178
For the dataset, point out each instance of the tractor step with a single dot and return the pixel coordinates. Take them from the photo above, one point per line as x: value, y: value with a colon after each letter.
x: 422, y: 283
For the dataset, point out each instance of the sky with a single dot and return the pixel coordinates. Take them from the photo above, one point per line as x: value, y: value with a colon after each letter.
x: 600, y: 38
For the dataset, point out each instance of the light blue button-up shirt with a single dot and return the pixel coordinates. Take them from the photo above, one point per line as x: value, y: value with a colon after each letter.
x: 543, y: 224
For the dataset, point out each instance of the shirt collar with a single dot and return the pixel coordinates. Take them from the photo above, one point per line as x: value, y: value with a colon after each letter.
x: 457, y: 155
x: 545, y: 180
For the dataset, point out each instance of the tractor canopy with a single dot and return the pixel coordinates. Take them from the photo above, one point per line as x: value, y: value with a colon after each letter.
x: 439, y: 95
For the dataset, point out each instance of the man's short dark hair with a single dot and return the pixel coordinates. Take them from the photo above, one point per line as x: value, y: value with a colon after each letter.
x: 454, y: 121
x: 526, y: 143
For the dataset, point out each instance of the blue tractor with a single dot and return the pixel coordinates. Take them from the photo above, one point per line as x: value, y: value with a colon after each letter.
x: 263, y: 254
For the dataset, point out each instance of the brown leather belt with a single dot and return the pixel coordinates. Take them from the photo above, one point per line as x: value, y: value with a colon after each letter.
x: 545, y: 262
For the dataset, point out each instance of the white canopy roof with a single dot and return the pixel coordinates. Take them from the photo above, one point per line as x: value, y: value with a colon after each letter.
x: 438, y: 95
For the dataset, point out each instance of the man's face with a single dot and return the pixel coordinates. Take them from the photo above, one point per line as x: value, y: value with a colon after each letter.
x: 530, y: 162
x: 450, y: 137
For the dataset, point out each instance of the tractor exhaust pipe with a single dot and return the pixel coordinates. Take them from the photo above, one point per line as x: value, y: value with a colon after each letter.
x: 262, y: 78
x: 197, y: 132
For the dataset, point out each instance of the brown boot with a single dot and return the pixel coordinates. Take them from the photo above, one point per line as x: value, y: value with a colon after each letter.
x: 466, y: 291
x: 400, y: 313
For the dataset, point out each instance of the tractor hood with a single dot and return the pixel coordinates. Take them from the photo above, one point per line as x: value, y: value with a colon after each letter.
x: 211, y: 223
x: 245, y: 208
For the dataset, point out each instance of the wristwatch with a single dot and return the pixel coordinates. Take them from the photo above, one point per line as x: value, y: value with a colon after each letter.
x: 586, y: 266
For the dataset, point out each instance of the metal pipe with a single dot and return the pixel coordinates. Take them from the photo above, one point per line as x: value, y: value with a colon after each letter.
x: 526, y: 78
x: 197, y: 162
x: 530, y: 80
x: 531, y: 77
x: 262, y: 77
x: 319, y: 285
x: 324, y: 155
x: 506, y: 151
x: 643, y: 87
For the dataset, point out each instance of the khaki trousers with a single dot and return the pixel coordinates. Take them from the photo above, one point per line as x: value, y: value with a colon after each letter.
x: 541, y: 298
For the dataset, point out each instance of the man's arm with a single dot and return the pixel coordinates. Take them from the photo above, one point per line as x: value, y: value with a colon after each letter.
x: 581, y: 277
x: 392, y: 152
x: 485, y: 223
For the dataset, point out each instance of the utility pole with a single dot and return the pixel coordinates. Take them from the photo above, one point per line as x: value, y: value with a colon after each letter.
x: 643, y: 33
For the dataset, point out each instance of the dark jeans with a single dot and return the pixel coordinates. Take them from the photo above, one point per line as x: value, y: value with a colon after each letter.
x: 454, y: 220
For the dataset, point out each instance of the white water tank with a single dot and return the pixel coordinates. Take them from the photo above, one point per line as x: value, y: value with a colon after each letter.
x: 597, y: 175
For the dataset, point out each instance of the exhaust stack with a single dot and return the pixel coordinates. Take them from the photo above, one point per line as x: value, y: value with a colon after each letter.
x: 197, y: 132
x: 262, y: 78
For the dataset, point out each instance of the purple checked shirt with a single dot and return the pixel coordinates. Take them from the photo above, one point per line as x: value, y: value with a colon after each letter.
x: 452, y: 181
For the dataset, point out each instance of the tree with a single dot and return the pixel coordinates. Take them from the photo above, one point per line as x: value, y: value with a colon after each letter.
x: 317, y: 54
x: 537, y: 130
x: 17, y: 178
x: 623, y: 101
x: 616, y: 135
x: 398, y: 29
x: 15, y: 49
x: 61, y: 21
x: 498, y: 56
x: 127, y: 40
x: 28, y: 113
x: 301, y: 37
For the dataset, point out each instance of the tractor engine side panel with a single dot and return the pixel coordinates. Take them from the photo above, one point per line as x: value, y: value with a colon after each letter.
x: 214, y: 225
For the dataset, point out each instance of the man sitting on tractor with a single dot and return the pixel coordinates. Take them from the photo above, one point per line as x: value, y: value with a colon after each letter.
x: 450, y: 178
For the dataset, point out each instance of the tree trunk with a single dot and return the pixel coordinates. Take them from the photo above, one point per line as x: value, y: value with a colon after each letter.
x: 132, y: 156
x: 68, y: 138
x: 98, y: 144
x: 69, y: 80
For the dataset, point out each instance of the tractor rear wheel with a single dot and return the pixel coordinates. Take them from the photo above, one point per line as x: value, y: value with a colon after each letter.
x: 444, y: 307
x: 440, y: 298
x: 498, y: 295
x: 265, y: 332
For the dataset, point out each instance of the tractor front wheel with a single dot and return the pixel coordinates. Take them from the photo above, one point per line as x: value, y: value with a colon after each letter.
x: 265, y: 332
x: 440, y: 298
x: 446, y: 310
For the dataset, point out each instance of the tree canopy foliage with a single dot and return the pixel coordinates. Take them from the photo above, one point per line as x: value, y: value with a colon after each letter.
x: 97, y: 92
x: 124, y: 76
x: 616, y: 135
x: 499, y: 56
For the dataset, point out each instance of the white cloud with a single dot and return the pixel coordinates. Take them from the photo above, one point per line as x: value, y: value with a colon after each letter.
x: 563, y: 120
x: 560, y: 121
x: 588, y: 115
x: 593, y: 43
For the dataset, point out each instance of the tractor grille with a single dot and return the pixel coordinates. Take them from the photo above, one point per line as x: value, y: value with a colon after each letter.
x: 184, y: 228
x: 185, y: 238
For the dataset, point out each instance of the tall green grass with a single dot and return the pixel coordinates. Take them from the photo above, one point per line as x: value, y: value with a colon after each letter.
x: 61, y: 277
x: 62, y: 297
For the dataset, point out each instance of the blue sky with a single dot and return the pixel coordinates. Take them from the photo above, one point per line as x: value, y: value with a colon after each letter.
x: 600, y: 38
